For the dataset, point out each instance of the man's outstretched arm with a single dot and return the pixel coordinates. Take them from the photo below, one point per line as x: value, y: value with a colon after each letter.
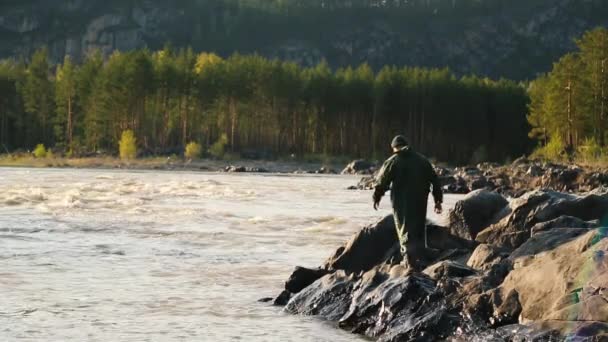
x: 383, y: 181
x: 437, y: 191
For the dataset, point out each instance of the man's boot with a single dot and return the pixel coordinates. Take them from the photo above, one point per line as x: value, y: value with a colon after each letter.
x: 411, y: 263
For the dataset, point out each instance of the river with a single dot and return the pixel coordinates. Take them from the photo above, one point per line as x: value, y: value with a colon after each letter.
x: 103, y: 255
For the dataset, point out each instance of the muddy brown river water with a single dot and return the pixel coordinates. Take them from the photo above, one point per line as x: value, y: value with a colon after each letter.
x: 98, y: 255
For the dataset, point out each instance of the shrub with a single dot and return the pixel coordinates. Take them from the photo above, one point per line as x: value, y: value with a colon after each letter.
x: 49, y: 154
x: 590, y: 150
x: 554, y: 150
x: 218, y: 148
x: 127, y: 145
x: 193, y: 150
x: 40, y: 151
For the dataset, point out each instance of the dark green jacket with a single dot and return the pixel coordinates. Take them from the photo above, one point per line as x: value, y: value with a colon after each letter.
x: 411, y: 176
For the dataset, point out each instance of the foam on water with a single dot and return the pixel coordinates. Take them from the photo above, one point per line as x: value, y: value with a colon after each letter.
x: 115, y: 255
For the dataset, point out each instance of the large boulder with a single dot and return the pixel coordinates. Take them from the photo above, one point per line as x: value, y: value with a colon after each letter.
x: 302, y: 277
x: 565, y: 282
x: 371, y: 246
x: 383, y: 303
x: 542, y: 206
x: 564, y: 222
x: 378, y: 243
x: 485, y: 256
x: 366, y: 183
x: 475, y: 212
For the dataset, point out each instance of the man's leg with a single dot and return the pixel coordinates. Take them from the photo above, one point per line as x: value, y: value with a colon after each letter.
x: 399, y: 216
x: 415, y: 244
x: 410, y: 242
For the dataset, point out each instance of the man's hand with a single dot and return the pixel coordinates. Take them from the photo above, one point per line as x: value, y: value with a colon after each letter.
x: 376, y: 204
x: 377, y: 198
x: 438, y: 208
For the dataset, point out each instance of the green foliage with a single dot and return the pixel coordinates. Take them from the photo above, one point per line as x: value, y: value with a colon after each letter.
x: 128, y: 145
x: 66, y: 102
x: 554, y: 150
x: 568, y: 107
x: 590, y: 150
x: 40, y: 151
x: 218, y: 148
x: 247, y: 102
x: 193, y: 150
x: 37, y: 94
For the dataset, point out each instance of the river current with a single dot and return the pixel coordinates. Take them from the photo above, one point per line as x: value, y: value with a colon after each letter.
x: 102, y: 255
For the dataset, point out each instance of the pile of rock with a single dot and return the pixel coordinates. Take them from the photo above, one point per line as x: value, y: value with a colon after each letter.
x: 516, y: 178
x: 534, y: 268
x: 360, y: 167
x: 239, y: 169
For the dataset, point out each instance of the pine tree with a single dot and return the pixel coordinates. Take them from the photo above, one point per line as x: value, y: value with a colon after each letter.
x: 37, y: 94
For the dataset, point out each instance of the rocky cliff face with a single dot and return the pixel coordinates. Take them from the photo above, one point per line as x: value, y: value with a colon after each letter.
x: 516, y: 39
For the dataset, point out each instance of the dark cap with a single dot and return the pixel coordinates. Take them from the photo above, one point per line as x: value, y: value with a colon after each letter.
x: 399, y: 141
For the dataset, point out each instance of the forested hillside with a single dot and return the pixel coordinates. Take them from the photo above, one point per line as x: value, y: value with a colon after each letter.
x: 516, y: 39
x: 172, y: 97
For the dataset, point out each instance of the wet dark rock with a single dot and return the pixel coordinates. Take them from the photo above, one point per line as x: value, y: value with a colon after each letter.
x: 325, y: 171
x: 359, y: 167
x: 328, y: 297
x: 480, y: 183
x: 239, y: 169
x: 303, y: 277
x: 366, y: 183
x: 457, y: 186
x: 233, y: 168
x: 475, y: 212
x: 371, y: 246
x: 283, y: 298
x: 265, y: 300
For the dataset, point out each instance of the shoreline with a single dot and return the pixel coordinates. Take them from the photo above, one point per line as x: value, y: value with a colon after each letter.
x: 175, y: 164
x: 504, y: 269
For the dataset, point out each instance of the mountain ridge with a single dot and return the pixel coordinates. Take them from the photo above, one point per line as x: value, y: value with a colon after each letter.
x: 495, y: 38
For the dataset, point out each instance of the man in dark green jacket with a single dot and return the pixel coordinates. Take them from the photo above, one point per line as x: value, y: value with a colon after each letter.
x: 411, y: 176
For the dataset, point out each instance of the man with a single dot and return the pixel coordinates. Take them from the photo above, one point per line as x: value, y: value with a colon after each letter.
x: 411, y: 176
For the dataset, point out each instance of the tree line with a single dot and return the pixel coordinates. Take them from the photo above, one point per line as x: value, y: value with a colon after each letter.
x: 569, y: 105
x: 169, y: 98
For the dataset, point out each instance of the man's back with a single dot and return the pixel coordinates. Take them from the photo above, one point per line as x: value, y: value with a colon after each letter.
x: 411, y: 175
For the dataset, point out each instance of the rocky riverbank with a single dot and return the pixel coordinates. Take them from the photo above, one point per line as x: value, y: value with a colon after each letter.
x: 513, y: 179
x: 534, y: 268
x: 172, y: 163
